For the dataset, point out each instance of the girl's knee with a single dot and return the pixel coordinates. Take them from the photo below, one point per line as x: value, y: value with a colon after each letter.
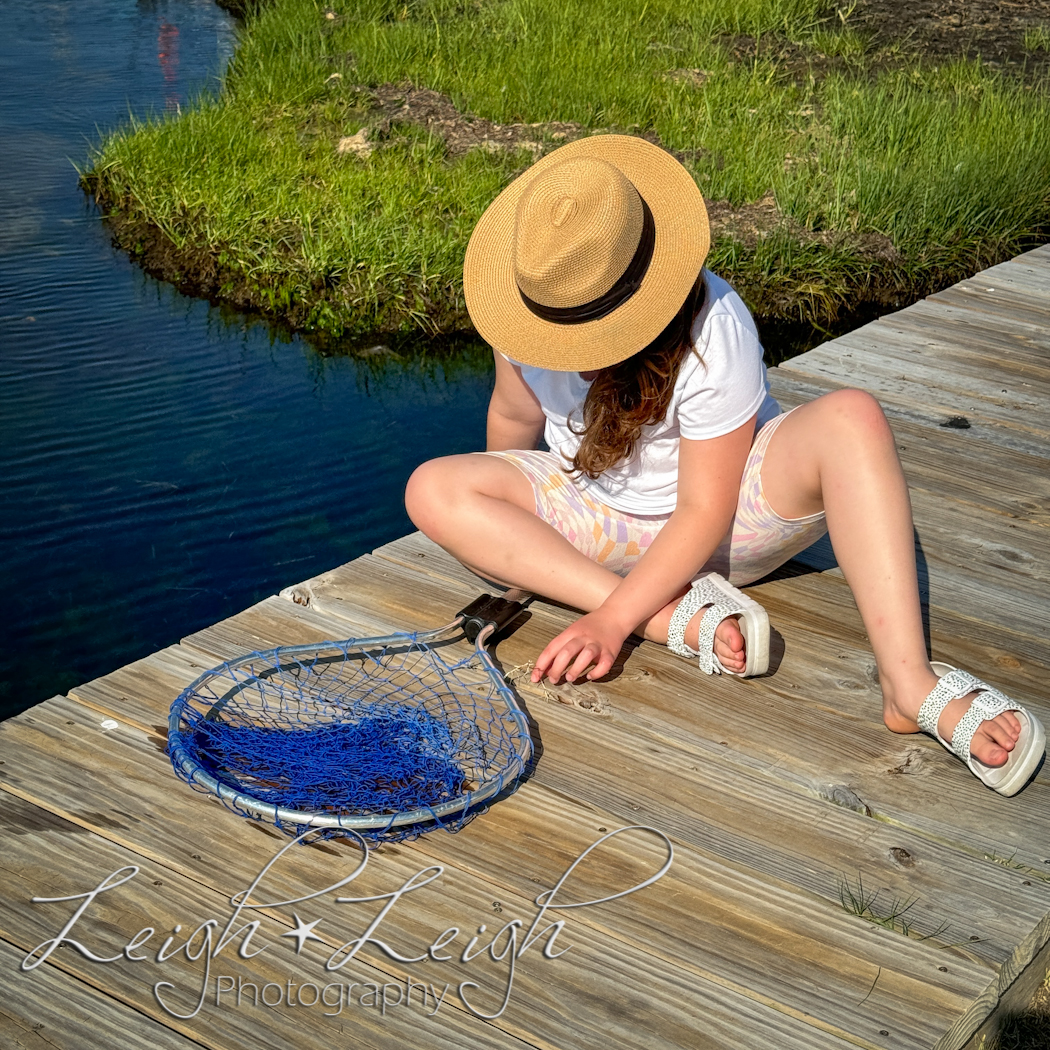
x: 857, y: 410
x: 443, y: 491
x: 440, y: 489
x: 427, y: 493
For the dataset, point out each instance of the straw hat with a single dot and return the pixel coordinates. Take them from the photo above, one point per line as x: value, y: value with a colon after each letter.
x: 585, y: 258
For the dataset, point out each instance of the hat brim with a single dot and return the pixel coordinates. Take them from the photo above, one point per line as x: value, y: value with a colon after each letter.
x: 683, y: 237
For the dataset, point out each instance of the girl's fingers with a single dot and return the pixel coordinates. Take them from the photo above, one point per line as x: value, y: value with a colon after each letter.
x: 602, y: 667
x: 587, y: 656
x: 544, y: 660
x: 569, y: 651
x: 556, y: 659
x: 584, y: 645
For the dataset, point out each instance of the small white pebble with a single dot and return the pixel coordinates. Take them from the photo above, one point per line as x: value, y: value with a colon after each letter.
x: 989, y: 289
x: 109, y: 723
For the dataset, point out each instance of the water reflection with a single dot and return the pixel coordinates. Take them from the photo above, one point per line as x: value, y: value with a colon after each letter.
x: 168, y: 57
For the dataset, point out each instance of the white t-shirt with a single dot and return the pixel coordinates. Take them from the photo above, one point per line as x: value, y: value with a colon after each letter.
x: 715, y: 393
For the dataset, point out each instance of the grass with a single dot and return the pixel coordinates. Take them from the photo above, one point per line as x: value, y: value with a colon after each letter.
x: 890, y: 178
x: 1009, y: 862
x: 891, y: 916
x: 1037, y: 38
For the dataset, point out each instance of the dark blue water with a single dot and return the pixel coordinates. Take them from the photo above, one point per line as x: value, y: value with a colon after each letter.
x: 162, y: 465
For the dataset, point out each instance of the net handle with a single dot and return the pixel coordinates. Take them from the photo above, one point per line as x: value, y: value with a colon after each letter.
x: 485, y: 611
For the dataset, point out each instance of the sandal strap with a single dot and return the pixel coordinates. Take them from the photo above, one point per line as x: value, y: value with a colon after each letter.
x: 702, y: 593
x: 988, y: 703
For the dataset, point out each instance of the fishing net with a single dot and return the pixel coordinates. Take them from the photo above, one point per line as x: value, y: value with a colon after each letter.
x: 385, y: 737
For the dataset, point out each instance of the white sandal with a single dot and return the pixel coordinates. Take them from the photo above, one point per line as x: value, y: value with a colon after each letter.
x: 724, y: 600
x: 1008, y: 778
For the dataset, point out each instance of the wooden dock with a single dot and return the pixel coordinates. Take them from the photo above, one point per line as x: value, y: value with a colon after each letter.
x: 790, y: 807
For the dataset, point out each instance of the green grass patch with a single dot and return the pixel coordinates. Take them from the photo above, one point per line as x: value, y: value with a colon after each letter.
x: 894, y: 914
x: 1037, y: 38
x: 837, y: 176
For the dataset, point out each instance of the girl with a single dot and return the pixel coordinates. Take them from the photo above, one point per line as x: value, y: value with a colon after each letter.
x: 672, y: 475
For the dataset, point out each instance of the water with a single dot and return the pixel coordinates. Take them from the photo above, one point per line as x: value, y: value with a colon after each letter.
x: 162, y: 464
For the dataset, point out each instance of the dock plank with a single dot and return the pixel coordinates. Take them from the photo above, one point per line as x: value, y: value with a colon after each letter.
x: 953, y: 465
x: 927, y: 389
x: 998, y: 293
x: 985, y: 346
x: 810, y: 751
x: 960, y: 600
x: 53, y: 1011
x: 975, y: 563
x: 1008, y: 372
x: 733, y: 785
x: 1030, y: 275
x: 52, y: 857
x: 1001, y: 342
x: 709, y: 750
x: 915, y: 411
x: 821, y: 604
x: 976, y: 296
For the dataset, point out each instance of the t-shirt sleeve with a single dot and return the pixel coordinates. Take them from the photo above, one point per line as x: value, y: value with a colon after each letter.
x: 728, y: 387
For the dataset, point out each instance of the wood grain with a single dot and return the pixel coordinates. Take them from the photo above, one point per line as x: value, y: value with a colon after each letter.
x: 808, y: 751
x: 927, y: 389
x: 52, y: 857
x: 49, y: 1010
x: 714, y: 921
x: 954, y: 467
x: 732, y: 781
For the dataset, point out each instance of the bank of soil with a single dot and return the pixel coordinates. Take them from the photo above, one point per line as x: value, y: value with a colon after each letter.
x: 993, y: 30
x: 240, y: 8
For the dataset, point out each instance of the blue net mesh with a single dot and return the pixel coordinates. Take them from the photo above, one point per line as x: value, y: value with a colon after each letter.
x: 387, y: 740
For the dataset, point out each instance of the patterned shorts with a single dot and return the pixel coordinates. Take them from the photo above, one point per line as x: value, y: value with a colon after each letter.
x: 758, y: 540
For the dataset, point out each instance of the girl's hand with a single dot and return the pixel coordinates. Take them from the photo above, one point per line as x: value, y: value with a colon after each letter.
x: 593, y: 639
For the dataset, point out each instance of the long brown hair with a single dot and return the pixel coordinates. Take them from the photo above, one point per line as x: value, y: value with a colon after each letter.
x: 634, y: 393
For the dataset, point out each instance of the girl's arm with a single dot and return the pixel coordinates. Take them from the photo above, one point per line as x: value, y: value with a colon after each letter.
x: 515, y: 417
x: 709, y: 474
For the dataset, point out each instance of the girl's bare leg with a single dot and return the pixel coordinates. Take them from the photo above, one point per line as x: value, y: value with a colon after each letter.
x: 837, y: 454
x: 482, y: 511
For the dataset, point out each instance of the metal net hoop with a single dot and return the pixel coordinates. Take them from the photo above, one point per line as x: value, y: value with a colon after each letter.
x: 383, y: 737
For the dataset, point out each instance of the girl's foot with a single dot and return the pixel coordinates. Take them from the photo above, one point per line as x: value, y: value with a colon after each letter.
x: 729, y: 644
x: 993, y: 741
